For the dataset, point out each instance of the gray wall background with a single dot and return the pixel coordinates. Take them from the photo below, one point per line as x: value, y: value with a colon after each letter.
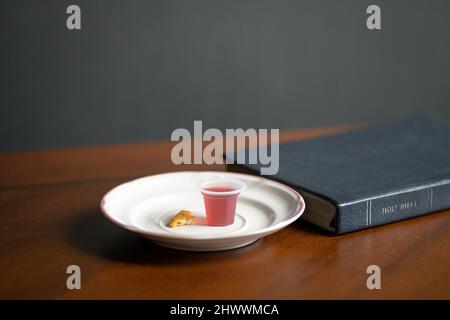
x: 139, y: 69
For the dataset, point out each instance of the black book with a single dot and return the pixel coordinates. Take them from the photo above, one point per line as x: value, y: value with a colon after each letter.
x: 372, y: 176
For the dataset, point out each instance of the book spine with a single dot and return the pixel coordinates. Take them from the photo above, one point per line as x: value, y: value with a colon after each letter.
x: 392, y: 207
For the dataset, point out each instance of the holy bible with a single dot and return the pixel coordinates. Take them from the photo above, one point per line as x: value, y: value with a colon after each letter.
x: 372, y: 176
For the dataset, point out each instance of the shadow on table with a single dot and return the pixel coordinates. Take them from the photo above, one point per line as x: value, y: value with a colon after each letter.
x: 96, y: 235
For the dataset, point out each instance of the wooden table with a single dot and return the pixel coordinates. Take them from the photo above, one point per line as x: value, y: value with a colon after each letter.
x: 50, y: 219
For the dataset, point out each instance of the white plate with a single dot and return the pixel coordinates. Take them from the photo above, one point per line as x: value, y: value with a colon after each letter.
x: 145, y: 206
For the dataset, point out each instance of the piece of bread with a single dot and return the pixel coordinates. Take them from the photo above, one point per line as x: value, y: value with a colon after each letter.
x: 182, y: 218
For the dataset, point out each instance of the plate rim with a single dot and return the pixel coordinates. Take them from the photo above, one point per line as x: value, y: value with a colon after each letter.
x: 297, y: 213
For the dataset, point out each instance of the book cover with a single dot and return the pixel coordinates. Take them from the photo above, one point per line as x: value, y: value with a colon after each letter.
x: 372, y: 176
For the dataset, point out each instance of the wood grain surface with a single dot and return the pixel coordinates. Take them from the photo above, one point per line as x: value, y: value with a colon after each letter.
x: 50, y: 218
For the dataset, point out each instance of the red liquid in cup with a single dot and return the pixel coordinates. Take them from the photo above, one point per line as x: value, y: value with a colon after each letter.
x: 220, y: 209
